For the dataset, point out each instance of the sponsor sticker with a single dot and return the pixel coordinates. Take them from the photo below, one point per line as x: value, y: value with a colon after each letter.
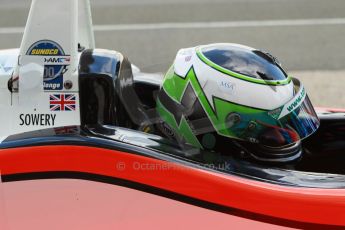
x: 226, y: 86
x: 188, y: 58
x: 294, y: 103
x: 62, y: 102
x: 56, y: 63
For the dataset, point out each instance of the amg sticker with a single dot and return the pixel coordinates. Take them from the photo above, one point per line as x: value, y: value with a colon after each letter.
x: 37, y: 119
x: 55, y: 64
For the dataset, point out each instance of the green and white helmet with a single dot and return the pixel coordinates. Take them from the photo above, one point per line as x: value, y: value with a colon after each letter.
x: 236, y: 92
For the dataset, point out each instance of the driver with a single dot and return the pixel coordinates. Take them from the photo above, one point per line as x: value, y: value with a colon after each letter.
x: 233, y: 98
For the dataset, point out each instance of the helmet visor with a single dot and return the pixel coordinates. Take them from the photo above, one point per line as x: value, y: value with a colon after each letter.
x: 285, y: 125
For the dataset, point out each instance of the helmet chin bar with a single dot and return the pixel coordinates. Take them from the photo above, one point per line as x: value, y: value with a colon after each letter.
x: 283, y: 154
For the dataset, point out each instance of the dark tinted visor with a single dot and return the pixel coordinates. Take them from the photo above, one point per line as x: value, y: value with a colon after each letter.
x: 252, y: 63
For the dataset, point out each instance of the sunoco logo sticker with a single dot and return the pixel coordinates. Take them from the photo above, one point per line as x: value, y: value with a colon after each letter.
x: 55, y: 63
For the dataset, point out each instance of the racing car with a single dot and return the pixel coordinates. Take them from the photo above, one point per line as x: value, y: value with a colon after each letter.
x: 69, y: 158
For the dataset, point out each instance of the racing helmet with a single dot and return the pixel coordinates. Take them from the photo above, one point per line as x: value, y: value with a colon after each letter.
x: 217, y: 93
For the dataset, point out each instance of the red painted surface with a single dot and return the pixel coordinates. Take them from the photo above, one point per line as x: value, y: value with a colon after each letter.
x: 70, y: 204
x: 322, y: 206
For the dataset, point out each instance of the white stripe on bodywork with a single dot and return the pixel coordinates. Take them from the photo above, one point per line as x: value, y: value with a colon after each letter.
x: 2, y: 139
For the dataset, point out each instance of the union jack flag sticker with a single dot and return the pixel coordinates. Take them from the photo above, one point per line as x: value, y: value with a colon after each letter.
x: 62, y: 102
